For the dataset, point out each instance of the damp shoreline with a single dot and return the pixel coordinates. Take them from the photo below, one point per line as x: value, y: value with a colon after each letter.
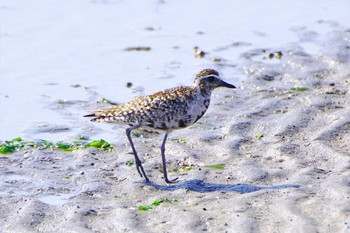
x: 270, y: 156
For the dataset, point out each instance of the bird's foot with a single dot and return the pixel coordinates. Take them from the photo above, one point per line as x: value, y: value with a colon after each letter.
x: 141, y: 171
x: 139, y: 167
x: 171, y: 181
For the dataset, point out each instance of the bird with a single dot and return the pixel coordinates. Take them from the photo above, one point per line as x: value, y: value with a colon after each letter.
x: 166, y: 110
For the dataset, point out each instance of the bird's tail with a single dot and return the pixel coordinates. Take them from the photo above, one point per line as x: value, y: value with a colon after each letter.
x: 90, y: 115
x: 94, y: 117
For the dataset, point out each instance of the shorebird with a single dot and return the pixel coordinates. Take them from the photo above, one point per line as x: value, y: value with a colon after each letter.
x: 166, y: 110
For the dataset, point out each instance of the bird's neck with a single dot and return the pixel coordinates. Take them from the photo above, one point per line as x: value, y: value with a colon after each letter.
x: 205, y: 92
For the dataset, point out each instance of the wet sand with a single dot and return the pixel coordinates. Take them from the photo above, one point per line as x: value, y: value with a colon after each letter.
x: 285, y: 156
x: 281, y: 138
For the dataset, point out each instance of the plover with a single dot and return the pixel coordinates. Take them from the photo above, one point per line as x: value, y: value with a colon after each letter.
x: 166, y: 110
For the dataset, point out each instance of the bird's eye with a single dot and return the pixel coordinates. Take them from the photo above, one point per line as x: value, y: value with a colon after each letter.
x: 211, y: 79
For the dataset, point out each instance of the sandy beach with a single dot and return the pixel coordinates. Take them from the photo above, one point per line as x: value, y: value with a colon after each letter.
x: 280, y: 140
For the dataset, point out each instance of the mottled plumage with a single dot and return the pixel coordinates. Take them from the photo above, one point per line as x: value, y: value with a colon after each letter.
x: 167, y: 110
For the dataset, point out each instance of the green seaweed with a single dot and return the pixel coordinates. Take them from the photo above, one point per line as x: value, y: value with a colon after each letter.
x: 136, y: 133
x: 156, y: 203
x: 145, y: 207
x: 18, y: 139
x: 259, y: 136
x: 139, y: 134
x: 83, y: 138
x: 64, y: 146
x: 174, y: 170
x: 183, y: 168
x: 215, y: 166
x: 7, y: 149
x: 100, y: 144
x: 18, y: 143
x: 43, y: 144
x: 106, y: 101
x: 300, y: 89
x: 186, y: 168
x: 159, y: 201
x: 179, y: 140
x: 11, y: 146
x: 130, y: 163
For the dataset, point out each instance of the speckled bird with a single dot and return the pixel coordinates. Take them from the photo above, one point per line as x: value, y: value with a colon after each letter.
x: 166, y: 110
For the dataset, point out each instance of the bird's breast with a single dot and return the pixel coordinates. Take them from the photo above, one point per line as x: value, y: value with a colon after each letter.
x: 182, y: 115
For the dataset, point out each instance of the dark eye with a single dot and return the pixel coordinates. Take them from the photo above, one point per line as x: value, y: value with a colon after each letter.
x: 211, y: 79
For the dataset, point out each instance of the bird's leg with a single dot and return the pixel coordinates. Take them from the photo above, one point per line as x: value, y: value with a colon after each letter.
x: 137, y: 160
x: 162, y: 149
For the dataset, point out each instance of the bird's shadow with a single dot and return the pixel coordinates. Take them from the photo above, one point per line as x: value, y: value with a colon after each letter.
x: 200, y: 186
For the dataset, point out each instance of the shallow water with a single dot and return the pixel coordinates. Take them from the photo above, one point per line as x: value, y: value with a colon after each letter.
x: 284, y: 153
x: 57, y: 59
x: 55, y: 199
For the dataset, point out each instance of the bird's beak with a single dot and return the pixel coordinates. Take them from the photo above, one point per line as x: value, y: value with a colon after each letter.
x: 225, y: 84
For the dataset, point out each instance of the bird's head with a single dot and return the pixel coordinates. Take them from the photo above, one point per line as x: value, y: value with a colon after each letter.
x: 208, y: 79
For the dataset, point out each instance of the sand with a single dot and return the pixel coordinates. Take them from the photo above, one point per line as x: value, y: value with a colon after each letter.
x: 294, y: 177
x: 285, y: 153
